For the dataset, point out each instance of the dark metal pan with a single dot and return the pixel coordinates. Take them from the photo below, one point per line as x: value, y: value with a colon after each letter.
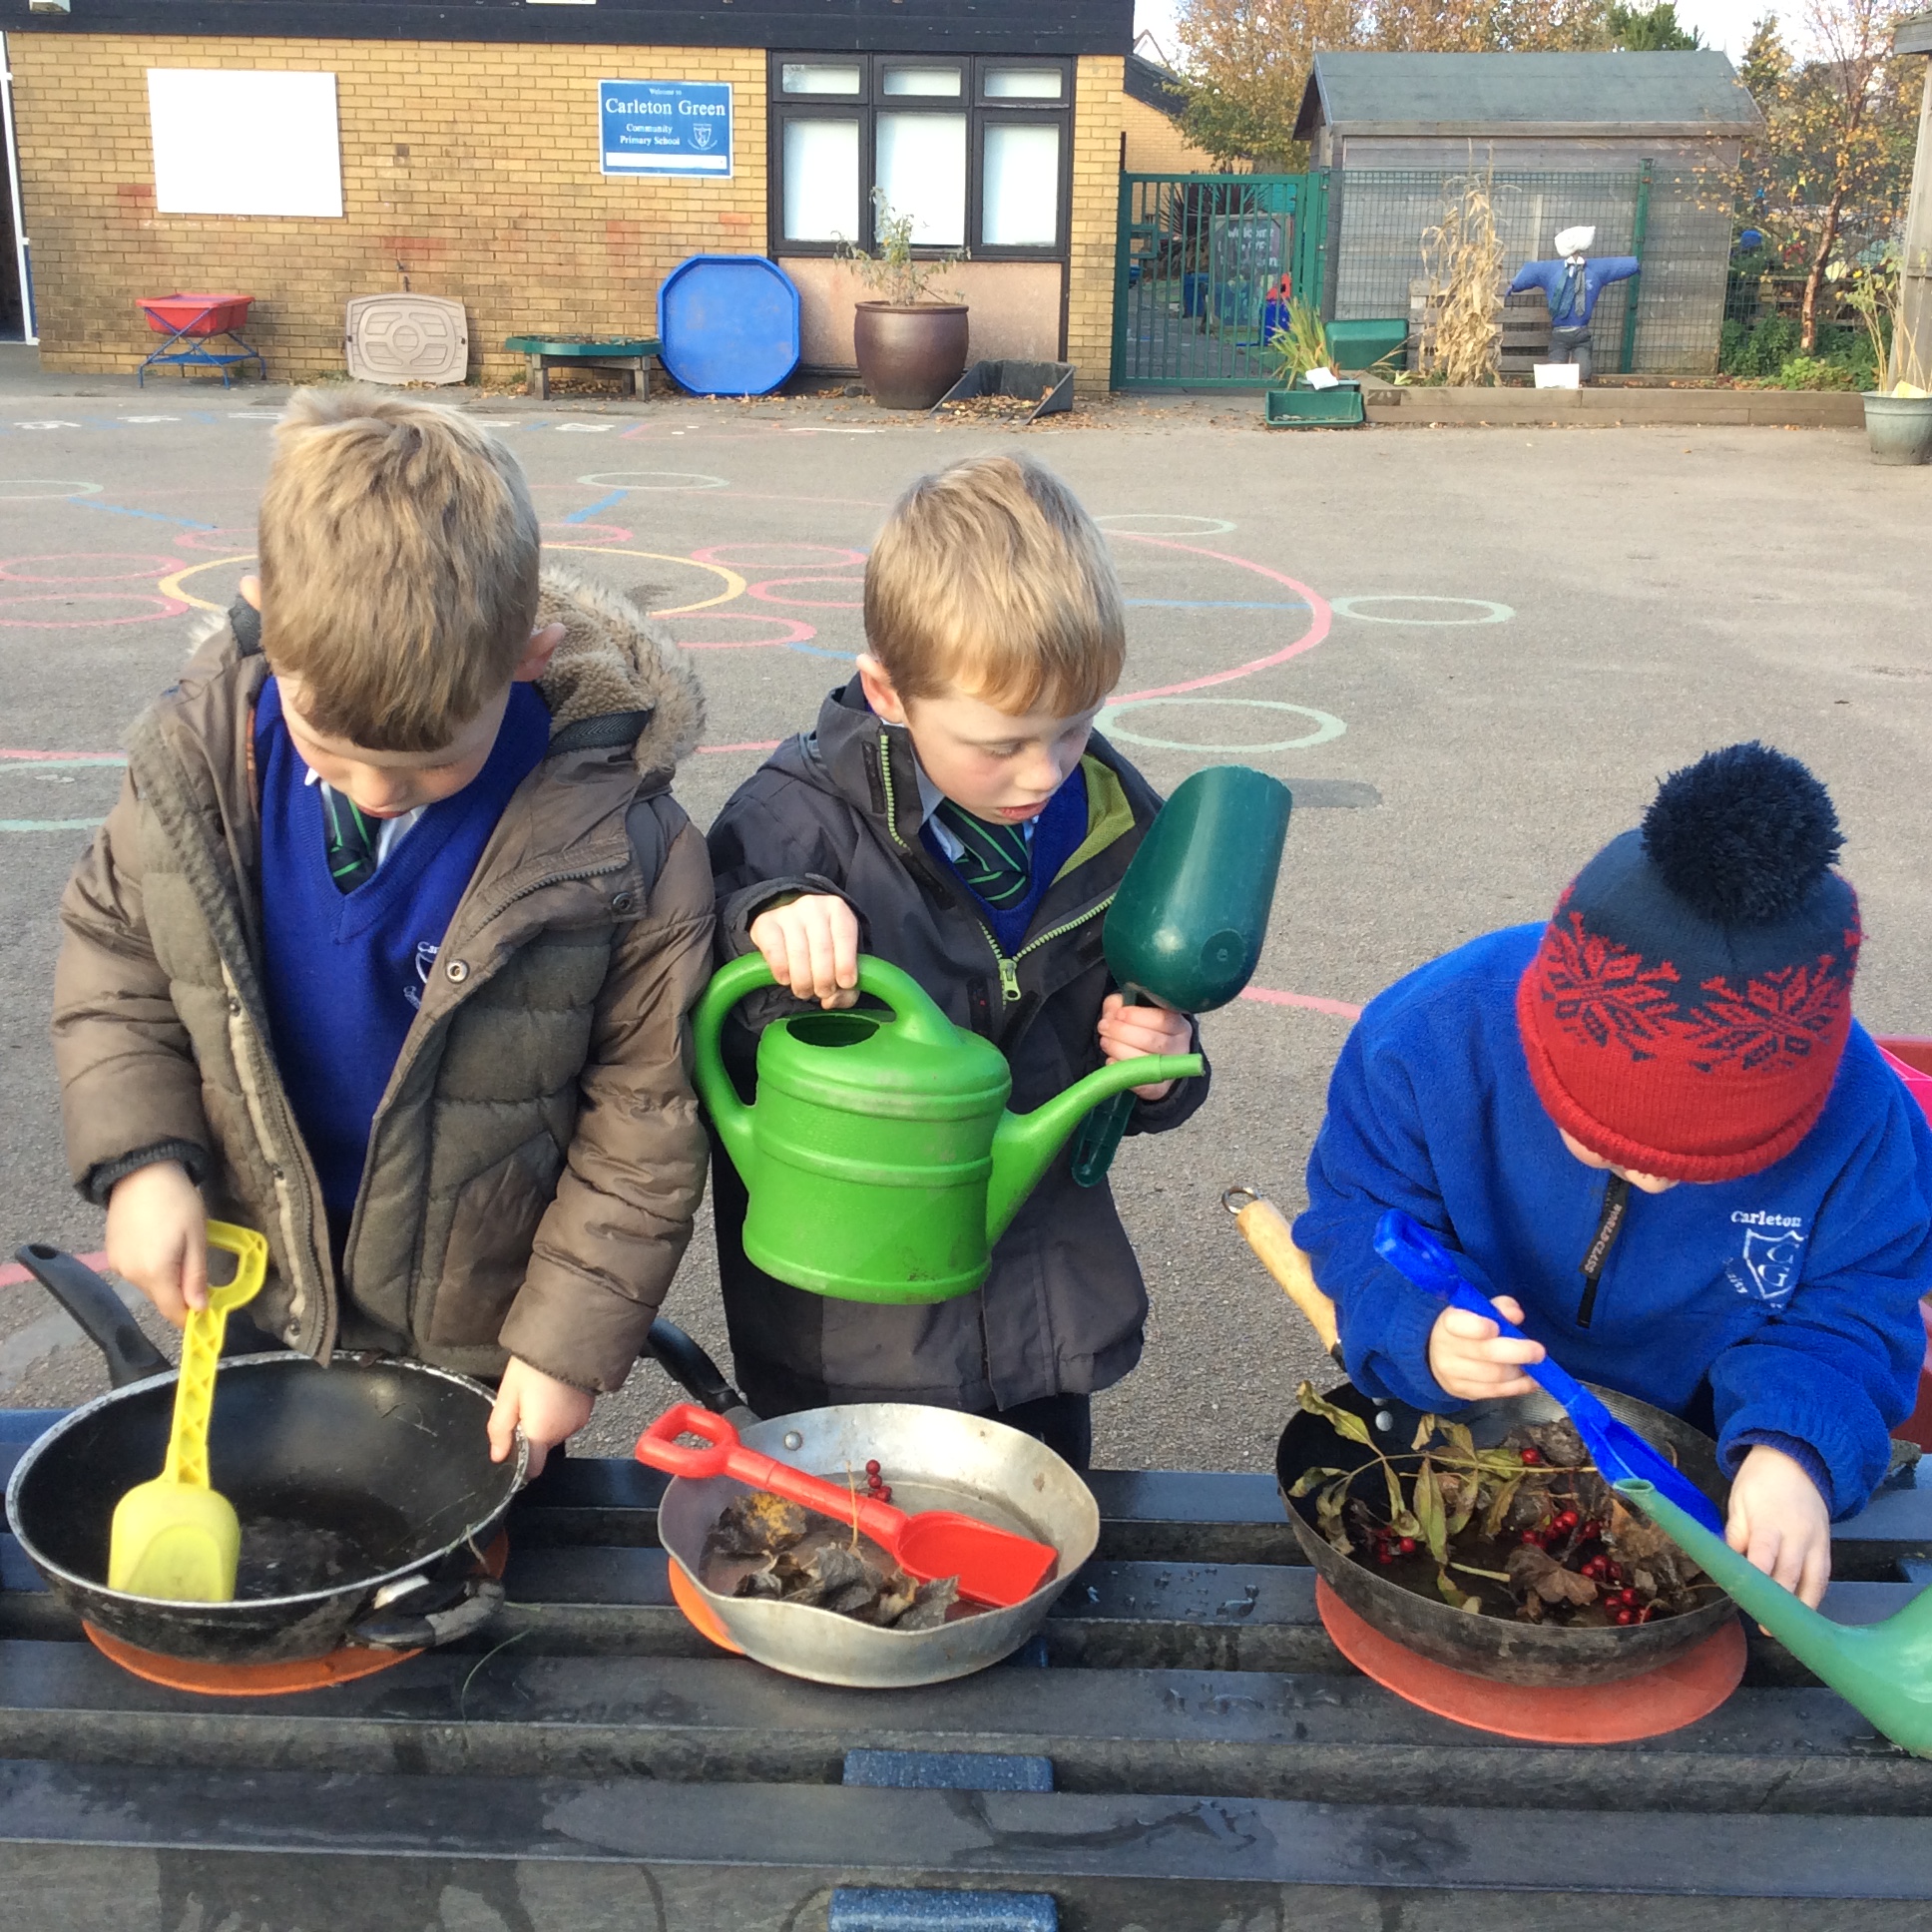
x: 366, y: 1490
x: 1489, y: 1646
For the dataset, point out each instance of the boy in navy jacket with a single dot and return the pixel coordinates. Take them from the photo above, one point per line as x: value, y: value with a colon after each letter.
x: 1655, y: 1128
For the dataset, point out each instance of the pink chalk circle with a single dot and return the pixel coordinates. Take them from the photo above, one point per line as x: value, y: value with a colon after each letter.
x: 791, y: 629
x: 593, y: 534
x: 223, y: 543
x: 766, y: 592
x: 12, y: 610
x: 833, y: 559
x: 13, y: 571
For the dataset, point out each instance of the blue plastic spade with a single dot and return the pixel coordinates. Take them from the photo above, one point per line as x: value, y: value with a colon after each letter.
x: 1619, y: 1452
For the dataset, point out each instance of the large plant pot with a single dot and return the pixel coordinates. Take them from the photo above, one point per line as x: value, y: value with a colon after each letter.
x: 909, y: 357
x: 1899, y: 427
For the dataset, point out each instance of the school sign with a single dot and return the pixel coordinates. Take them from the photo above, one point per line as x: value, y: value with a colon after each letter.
x: 666, y: 128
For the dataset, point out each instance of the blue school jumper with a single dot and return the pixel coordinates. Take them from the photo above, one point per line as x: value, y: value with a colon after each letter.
x: 343, y: 972
x: 1786, y: 1299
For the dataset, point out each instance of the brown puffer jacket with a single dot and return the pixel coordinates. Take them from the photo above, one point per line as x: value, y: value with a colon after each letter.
x: 537, y: 1156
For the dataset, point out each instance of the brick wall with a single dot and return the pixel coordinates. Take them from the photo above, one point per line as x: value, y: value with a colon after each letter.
x: 1156, y: 145
x: 1099, y: 120
x: 476, y: 166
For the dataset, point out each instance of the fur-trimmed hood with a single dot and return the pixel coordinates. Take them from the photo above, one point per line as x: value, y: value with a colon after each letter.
x: 616, y: 662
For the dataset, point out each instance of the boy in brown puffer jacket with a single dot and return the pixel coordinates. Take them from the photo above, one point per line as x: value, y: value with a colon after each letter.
x: 388, y: 946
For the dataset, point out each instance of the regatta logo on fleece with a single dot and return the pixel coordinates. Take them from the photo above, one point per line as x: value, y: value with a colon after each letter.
x: 1767, y: 1269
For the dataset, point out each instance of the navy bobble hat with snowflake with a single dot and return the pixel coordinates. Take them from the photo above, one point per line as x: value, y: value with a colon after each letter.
x: 1686, y: 1012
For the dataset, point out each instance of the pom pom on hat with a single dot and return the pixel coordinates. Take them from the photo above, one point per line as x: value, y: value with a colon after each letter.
x: 1743, y: 836
x: 1687, y: 1010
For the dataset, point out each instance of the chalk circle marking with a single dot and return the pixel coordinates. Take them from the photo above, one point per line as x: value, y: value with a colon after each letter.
x: 665, y: 480
x: 734, y: 583
x: 835, y: 559
x: 173, y: 585
x: 1325, y: 727
x: 791, y: 629
x: 148, y: 563
x: 169, y: 607
x: 214, y: 538
x: 1128, y: 524
x: 1492, y: 612
x: 35, y: 489
x: 770, y: 592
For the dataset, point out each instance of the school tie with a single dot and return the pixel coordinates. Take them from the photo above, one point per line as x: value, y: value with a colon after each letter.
x: 349, y: 839
x: 997, y: 861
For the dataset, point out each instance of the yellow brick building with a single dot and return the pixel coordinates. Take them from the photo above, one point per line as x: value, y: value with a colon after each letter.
x: 474, y: 168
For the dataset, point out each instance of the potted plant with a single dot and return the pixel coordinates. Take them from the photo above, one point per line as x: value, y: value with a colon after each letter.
x: 1898, y: 420
x: 1311, y: 390
x: 910, y: 341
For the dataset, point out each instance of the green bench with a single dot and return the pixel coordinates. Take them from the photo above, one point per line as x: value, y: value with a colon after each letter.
x: 627, y: 356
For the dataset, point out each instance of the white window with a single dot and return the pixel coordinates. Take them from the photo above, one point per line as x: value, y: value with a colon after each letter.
x: 1021, y: 84
x: 920, y: 167
x: 820, y: 179
x: 805, y: 77
x: 1020, y: 189
x: 942, y: 81
x: 238, y: 142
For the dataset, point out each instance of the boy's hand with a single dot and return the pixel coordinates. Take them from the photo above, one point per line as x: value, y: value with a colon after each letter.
x: 158, y: 1238
x: 1473, y: 1359
x: 812, y: 946
x: 547, y: 1409
x: 1128, y: 1032
x: 1778, y: 1523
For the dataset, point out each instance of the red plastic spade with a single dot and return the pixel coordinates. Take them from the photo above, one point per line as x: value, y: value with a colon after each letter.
x: 996, y: 1567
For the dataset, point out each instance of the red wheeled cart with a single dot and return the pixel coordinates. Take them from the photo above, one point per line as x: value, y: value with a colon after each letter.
x: 191, y: 323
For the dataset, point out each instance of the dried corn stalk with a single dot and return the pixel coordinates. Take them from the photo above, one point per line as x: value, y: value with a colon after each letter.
x: 1464, y: 261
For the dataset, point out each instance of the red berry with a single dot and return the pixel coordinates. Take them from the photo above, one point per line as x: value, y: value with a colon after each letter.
x: 885, y: 1494
x: 1407, y: 1546
x: 1625, y: 1616
x: 1532, y: 1456
x: 1592, y: 1530
x: 1567, y: 1519
x: 1532, y: 1539
x: 873, y: 1467
x: 1645, y: 1615
x: 1385, y: 1554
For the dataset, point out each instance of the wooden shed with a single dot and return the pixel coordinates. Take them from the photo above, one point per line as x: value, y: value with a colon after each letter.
x: 1636, y: 145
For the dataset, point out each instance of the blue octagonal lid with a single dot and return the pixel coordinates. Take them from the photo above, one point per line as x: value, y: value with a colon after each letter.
x: 729, y: 325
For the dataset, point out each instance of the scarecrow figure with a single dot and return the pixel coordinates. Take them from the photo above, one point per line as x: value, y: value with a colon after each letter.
x: 1572, y: 285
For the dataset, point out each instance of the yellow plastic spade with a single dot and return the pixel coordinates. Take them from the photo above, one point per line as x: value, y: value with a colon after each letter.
x: 176, y: 1537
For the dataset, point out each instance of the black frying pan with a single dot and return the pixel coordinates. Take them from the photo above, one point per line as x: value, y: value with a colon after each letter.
x: 1490, y: 1646
x: 366, y: 1490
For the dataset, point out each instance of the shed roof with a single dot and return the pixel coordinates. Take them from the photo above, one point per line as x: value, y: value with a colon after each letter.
x: 1525, y: 94
x: 1914, y: 35
x: 1154, y: 86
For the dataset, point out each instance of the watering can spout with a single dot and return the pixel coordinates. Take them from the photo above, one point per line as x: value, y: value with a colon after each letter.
x: 1883, y: 1670
x: 1023, y: 1145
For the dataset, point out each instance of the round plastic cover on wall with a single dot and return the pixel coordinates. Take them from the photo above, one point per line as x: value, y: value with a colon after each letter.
x: 729, y: 325
x: 407, y: 339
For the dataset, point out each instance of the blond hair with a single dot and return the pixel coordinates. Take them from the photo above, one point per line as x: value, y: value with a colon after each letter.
x: 990, y: 579
x: 399, y: 558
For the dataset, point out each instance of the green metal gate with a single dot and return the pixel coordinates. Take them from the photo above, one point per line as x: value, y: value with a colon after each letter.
x: 1201, y: 260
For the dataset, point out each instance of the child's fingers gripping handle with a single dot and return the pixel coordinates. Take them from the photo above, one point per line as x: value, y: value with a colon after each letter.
x: 659, y: 1445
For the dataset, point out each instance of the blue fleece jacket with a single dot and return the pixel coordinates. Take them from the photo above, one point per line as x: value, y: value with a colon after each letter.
x: 1598, y: 274
x: 1793, y: 1292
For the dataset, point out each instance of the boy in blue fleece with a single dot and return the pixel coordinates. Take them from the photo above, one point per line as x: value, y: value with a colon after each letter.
x: 1538, y: 1095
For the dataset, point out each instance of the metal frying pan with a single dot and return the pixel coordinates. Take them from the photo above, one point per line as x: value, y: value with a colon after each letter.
x: 366, y: 1490
x: 1489, y: 1646
x: 934, y: 1459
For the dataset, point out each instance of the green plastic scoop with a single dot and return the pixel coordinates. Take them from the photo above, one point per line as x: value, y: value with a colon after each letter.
x: 1883, y: 1670
x: 178, y: 1537
x: 1185, y: 927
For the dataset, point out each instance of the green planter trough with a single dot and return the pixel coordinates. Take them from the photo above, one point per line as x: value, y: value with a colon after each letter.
x: 1362, y: 345
x: 1313, y: 408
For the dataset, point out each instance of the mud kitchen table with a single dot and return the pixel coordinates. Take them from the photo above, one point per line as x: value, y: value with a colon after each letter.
x: 1214, y: 1766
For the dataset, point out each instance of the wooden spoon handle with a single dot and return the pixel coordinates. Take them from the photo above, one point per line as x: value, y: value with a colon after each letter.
x: 1268, y: 1234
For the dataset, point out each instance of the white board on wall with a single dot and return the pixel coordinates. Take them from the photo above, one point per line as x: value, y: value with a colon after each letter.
x: 231, y: 142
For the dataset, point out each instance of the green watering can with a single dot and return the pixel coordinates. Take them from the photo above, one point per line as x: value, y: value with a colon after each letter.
x: 1883, y: 1670
x: 1187, y: 924
x: 880, y: 1161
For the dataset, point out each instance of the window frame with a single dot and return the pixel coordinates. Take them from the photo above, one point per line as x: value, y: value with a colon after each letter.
x: 871, y: 100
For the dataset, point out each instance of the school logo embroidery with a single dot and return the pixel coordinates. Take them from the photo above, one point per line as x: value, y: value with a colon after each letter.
x: 1768, y: 1271
x: 426, y: 950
